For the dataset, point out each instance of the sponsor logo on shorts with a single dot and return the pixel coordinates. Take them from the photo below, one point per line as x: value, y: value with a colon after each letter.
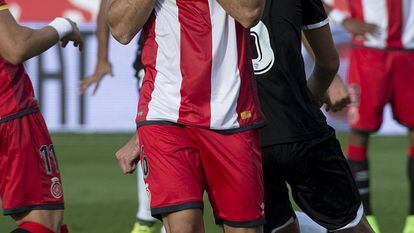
x: 145, y: 167
x: 354, y: 94
x: 262, y: 206
x: 56, y: 188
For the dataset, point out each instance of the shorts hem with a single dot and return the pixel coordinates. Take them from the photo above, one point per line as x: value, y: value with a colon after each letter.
x: 157, y: 212
x: 241, y: 224
x: 24, y: 209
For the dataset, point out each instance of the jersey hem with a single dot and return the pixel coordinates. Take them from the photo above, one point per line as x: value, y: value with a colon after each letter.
x: 256, y: 125
x: 316, y: 25
x: 24, y: 209
x: 19, y: 114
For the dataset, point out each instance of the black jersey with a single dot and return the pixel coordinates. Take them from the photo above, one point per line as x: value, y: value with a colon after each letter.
x: 291, y: 112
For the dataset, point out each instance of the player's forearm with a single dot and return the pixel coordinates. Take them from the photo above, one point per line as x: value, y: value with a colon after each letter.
x: 102, y: 33
x: 127, y: 17
x: 247, y: 12
x: 326, y: 60
x: 28, y: 43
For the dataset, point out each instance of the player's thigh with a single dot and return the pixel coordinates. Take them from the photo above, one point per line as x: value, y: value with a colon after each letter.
x: 172, y: 169
x: 403, y: 87
x: 325, y: 190
x: 278, y: 209
x: 233, y: 167
x: 30, y: 177
x: 185, y: 221
x: 369, y: 88
x: 52, y: 219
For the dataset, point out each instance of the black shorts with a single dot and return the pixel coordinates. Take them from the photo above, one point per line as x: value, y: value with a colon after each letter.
x: 320, y: 179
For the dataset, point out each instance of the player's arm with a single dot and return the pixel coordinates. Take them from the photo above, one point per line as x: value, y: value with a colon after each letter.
x: 103, y: 65
x: 354, y: 26
x: 128, y: 155
x: 127, y: 17
x: 326, y: 60
x: 19, y: 43
x: 337, y: 96
x: 247, y: 12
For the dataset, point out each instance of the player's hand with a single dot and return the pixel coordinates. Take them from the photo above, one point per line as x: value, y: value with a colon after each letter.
x: 103, y: 68
x: 360, y: 28
x: 128, y: 156
x: 337, y: 96
x: 75, y: 37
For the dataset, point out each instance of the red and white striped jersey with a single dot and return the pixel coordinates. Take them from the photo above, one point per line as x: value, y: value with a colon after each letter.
x: 395, y: 19
x: 198, y: 68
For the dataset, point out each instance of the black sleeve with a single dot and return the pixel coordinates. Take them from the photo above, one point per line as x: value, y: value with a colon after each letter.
x: 313, y: 14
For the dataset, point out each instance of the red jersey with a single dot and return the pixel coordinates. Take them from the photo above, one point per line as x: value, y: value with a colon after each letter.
x: 16, y: 91
x: 198, y: 68
x: 395, y: 19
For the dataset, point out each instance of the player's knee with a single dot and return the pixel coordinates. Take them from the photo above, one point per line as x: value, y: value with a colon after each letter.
x: 51, y: 219
x: 184, y: 227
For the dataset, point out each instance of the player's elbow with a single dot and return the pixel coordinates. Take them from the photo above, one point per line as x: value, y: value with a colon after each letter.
x: 251, y: 16
x: 15, y: 57
x: 122, y: 36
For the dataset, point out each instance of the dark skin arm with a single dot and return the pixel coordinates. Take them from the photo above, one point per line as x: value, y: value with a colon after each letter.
x: 326, y: 60
x: 19, y: 43
x: 337, y: 96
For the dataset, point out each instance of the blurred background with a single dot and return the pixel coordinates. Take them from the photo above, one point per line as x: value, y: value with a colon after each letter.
x: 88, y: 129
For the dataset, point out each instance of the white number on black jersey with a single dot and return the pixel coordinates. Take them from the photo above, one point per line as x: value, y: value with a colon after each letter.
x: 263, y: 55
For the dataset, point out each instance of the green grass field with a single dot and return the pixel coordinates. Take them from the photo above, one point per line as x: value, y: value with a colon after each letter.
x: 101, y: 200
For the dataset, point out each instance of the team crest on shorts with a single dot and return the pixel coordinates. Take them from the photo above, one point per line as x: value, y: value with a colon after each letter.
x: 56, y: 188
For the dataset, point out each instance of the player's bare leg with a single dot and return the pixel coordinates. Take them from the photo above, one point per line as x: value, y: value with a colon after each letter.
x: 362, y: 227
x: 291, y: 228
x: 51, y: 219
x: 409, y: 222
x: 228, y: 229
x: 185, y: 221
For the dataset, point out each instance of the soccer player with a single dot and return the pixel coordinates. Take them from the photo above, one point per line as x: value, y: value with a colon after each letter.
x: 380, y: 72
x: 198, y: 113
x: 145, y: 222
x: 30, y: 184
x: 299, y: 148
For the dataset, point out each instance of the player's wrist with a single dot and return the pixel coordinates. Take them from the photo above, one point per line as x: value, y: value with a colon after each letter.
x: 338, y: 16
x: 62, y: 26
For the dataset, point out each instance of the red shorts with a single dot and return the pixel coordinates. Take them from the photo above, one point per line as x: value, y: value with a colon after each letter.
x: 377, y: 77
x: 180, y: 162
x: 29, y: 172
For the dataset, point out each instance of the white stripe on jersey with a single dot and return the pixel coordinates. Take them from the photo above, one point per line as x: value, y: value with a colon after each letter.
x: 225, y: 80
x: 166, y: 97
x: 408, y: 24
x: 375, y: 11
